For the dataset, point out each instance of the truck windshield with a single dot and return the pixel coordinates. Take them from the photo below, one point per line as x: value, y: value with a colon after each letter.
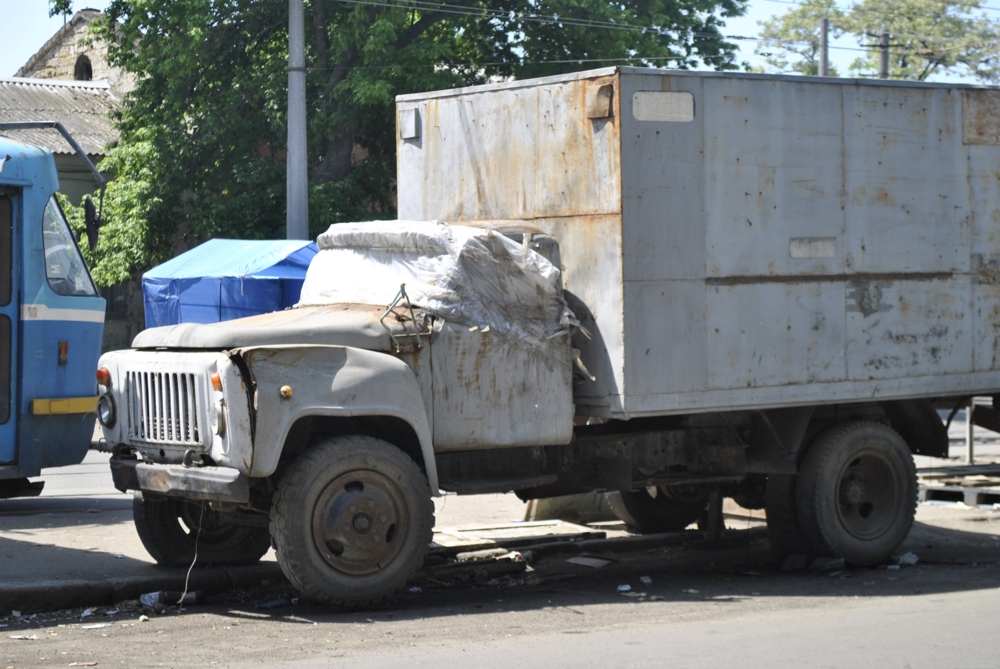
x: 64, y: 267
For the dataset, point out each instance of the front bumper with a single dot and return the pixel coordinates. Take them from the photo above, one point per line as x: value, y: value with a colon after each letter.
x: 222, y: 484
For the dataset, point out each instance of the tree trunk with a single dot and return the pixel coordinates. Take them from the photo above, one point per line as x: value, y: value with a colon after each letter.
x: 336, y: 161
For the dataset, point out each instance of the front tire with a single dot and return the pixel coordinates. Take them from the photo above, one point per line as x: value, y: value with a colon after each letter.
x: 857, y: 492
x: 168, y: 528
x: 352, y: 521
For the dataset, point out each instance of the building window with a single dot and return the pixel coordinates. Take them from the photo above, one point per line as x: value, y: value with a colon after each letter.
x: 83, y: 71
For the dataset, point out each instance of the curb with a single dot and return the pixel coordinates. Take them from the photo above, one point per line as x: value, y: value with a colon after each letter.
x: 44, y: 596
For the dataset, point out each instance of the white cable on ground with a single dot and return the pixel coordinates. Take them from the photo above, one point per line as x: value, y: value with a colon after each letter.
x: 197, y: 536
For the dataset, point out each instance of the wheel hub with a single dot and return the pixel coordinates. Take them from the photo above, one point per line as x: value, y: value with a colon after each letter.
x: 358, y: 521
x: 868, y: 495
x: 854, y: 492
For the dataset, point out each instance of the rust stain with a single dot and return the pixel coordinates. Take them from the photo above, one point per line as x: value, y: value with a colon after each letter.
x: 981, y: 117
x: 883, y: 197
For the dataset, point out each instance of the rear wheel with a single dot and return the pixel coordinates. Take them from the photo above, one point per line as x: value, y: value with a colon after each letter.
x: 169, y: 529
x: 783, y: 530
x: 857, y: 492
x: 659, y: 508
x: 352, y: 520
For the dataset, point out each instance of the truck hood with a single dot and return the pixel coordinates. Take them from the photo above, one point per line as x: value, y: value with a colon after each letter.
x: 356, y: 325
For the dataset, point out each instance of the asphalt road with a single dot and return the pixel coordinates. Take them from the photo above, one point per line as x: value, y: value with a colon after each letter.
x: 701, y: 608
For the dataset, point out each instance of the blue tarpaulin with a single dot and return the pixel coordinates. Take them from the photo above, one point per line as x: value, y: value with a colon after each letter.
x: 224, y: 279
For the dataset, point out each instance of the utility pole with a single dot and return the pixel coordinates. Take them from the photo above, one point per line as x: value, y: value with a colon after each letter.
x: 883, y: 55
x: 297, y: 198
x: 824, y: 48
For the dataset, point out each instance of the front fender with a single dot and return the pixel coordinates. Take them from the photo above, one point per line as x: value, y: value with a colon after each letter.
x: 330, y: 381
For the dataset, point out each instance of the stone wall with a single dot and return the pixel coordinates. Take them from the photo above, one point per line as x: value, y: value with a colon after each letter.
x: 59, y: 57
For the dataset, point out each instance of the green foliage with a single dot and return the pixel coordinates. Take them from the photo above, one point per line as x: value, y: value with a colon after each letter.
x: 203, y: 133
x: 60, y: 7
x: 927, y: 37
x: 793, y: 39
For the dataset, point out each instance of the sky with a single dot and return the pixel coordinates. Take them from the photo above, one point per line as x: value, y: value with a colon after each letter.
x: 26, y: 26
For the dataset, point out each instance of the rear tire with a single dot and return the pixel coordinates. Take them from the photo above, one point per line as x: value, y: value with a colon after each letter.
x: 352, y: 521
x: 168, y: 528
x: 857, y: 492
x: 783, y: 531
x: 659, y: 508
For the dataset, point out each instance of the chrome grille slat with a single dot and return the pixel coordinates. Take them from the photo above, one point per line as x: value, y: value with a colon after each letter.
x: 164, y: 408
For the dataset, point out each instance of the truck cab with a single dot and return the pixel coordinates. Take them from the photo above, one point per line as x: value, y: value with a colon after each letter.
x: 51, y: 326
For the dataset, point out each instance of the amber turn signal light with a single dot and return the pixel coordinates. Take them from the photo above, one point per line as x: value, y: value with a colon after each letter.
x: 217, y: 382
x: 104, y: 377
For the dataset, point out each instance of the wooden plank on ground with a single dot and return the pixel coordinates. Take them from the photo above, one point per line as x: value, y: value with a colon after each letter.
x: 451, y: 540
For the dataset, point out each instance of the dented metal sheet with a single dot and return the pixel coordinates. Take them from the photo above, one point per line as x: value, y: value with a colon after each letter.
x: 792, y: 241
x: 491, y: 391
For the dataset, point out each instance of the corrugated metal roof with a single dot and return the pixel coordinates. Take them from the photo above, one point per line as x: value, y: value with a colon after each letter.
x: 83, y: 107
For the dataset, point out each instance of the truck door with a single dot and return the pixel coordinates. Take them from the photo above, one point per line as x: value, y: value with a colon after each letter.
x: 9, y: 210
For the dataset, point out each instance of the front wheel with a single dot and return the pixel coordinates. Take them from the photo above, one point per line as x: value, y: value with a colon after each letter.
x: 857, y: 492
x: 352, y: 521
x: 169, y: 529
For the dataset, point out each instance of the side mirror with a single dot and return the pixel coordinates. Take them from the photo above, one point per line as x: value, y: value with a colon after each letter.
x: 92, y: 222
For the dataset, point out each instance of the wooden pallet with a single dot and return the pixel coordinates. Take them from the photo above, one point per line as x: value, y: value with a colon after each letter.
x: 971, y: 485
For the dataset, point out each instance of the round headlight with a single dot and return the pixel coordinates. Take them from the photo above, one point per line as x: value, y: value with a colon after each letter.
x: 106, y: 412
x: 217, y: 418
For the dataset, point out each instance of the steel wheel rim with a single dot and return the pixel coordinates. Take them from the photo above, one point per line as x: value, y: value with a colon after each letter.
x: 359, y: 522
x: 868, y: 495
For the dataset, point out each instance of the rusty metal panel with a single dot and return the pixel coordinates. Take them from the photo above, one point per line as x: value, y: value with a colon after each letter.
x: 590, y: 248
x: 981, y: 117
x: 904, y: 170
x: 772, y: 151
x: 984, y: 189
x: 666, y: 345
x: 491, y: 392
x: 508, y: 152
x: 898, y: 329
x: 799, y: 340
x: 664, y: 187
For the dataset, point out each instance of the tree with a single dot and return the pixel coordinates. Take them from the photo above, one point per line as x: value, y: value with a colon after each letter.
x: 60, y: 7
x: 203, y: 133
x: 796, y: 36
x: 927, y: 37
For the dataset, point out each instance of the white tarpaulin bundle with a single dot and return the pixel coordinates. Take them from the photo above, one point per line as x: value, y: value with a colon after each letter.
x: 471, y: 276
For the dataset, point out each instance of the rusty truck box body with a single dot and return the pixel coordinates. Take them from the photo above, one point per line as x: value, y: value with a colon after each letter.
x: 738, y: 241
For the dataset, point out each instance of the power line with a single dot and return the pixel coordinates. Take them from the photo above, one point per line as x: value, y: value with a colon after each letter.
x: 546, y: 18
x: 496, y: 14
x: 798, y: 2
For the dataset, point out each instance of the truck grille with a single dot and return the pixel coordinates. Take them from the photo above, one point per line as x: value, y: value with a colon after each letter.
x: 164, y: 408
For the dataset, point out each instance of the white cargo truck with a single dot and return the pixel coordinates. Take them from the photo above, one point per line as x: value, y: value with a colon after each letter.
x: 672, y: 286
